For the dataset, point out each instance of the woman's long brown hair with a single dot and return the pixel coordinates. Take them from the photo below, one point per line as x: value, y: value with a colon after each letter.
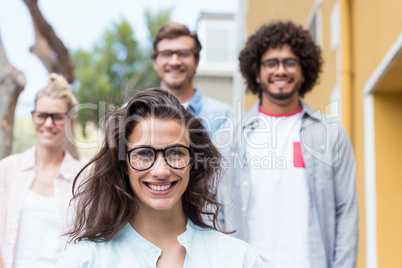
x: 104, y: 200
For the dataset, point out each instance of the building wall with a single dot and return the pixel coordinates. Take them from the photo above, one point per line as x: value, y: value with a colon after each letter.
x: 216, y: 69
x: 266, y: 11
x: 388, y: 110
x: 217, y: 87
x: 371, y: 41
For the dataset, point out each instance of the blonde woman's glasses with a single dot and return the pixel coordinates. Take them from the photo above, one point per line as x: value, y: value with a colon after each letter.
x: 58, y: 119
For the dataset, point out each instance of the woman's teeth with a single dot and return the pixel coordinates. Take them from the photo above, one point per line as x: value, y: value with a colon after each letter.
x: 159, y: 187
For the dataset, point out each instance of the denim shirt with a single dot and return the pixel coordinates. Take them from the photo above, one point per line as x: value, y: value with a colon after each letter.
x: 213, y: 112
x: 204, y: 248
x: 330, y: 169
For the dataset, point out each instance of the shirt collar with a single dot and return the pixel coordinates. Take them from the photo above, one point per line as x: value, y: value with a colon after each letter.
x: 186, y: 238
x: 309, y: 112
x: 137, y: 240
x: 195, y: 104
x: 28, y: 161
x: 254, y: 112
x: 65, y: 170
x: 261, y: 110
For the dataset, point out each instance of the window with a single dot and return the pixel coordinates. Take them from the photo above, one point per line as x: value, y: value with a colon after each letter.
x: 217, y: 36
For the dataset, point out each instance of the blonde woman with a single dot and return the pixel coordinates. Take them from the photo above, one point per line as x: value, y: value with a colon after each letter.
x: 35, y: 186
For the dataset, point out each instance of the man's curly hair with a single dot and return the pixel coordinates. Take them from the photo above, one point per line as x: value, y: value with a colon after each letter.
x: 276, y: 35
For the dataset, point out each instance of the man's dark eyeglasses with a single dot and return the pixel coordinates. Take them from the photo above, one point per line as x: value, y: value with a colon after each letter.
x: 143, y: 157
x: 291, y: 65
x: 57, y: 118
x: 183, y: 53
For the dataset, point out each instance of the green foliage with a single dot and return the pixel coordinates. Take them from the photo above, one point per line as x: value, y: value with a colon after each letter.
x: 155, y: 21
x: 114, y: 68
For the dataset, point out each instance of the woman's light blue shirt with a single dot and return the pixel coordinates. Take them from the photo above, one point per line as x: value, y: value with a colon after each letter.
x: 204, y: 248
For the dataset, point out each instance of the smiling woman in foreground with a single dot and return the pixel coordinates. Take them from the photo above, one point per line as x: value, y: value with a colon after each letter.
x: 145, y: 201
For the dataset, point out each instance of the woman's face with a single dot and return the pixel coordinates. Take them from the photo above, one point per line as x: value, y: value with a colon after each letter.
x: 161, y: 187
x: 49, y: 130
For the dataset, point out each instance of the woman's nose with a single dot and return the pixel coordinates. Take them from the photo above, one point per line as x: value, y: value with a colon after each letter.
x: 160, y: 168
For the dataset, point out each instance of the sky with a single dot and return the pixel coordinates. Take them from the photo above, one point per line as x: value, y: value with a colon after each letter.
x: 80, y: 24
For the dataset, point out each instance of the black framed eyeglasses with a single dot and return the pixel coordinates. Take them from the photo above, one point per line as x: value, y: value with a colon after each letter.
x: 291, y: 65
x: 143, y: 157
x: 182, y: 54
x: 39, y: 118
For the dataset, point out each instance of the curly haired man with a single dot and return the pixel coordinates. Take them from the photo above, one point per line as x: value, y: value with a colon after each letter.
x: 292, y: 172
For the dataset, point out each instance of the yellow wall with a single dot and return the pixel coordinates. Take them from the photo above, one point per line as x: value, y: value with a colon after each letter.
x: 266, y: 11
x: 388, y: 111
x: 371, y: 41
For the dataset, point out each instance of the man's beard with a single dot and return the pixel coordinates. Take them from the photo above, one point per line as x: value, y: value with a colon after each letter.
x: 175, y: 86
x: 281, y: 96
x: 179, y: 85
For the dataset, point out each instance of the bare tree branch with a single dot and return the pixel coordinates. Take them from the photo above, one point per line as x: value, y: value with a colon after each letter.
x: 48, y: 46
x: 12, y: 83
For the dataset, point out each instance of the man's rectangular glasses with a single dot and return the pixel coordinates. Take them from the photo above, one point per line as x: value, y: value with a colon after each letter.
x: 182, y: 54
x: 143, y: 157
x: 291, y: 65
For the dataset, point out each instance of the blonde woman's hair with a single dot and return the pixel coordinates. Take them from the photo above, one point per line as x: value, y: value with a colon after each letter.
x: 58, y: 88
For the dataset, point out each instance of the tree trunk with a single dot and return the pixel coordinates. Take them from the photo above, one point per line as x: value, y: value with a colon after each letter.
x: 51, y: 52
x: 12, y: 83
